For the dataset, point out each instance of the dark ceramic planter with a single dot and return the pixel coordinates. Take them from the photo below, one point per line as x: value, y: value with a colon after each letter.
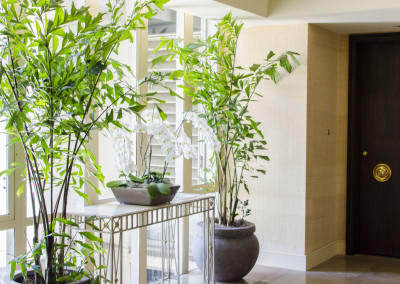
x: 236, y: 251
x: 140, y: 196
x: 19, y: 279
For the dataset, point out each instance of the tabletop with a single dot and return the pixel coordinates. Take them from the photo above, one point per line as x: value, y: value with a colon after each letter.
x: 115, y: 209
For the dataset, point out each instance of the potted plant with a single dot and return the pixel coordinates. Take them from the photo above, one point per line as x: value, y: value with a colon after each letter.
x: 58, y: 84
x: 142, y: 185
x: 224, y: 92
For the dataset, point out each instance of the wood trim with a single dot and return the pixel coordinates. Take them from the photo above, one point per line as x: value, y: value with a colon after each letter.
x: 352, y: 166
x: 353, y: 158
x: 374, y: 37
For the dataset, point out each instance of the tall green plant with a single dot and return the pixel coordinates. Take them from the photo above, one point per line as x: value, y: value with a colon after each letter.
x: 224, y: 92
x: 58, y: 84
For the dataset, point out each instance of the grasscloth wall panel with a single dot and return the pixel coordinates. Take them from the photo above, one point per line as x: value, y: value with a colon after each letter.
x: 277, y: 199
x: 299, y: 206
x: 326, y: 138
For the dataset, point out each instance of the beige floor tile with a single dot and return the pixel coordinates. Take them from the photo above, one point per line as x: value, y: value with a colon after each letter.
x: 358, y: 269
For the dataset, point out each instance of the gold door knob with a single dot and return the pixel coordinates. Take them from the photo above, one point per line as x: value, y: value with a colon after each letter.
x: 365, y: 153
x: 382, y: 172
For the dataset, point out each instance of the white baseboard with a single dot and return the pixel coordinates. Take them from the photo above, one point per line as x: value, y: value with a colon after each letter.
x: 301, y: 262
x: 289, y: 261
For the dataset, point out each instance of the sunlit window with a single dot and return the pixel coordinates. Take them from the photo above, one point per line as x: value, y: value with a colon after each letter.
x: 4, y: 192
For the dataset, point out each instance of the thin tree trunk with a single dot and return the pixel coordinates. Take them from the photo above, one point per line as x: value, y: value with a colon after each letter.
x: 50, y: 273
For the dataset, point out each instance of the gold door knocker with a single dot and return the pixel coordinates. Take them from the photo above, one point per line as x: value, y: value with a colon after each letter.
x: 382, y: 172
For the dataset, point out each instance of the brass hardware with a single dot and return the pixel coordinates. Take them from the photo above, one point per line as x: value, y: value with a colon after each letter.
x: 382, y: 172
x: 365, y: 153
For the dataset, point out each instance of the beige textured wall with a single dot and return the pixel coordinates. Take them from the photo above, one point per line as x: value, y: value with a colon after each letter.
x: 326, y: 138
x: 299, y: 206
x: 277, y: 199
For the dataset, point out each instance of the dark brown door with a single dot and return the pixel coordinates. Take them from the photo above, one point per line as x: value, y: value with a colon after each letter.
x: 374, y: 133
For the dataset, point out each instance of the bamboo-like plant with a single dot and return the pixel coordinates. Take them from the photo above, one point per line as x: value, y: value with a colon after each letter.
x: 224, y: 92
x: 58, y: 84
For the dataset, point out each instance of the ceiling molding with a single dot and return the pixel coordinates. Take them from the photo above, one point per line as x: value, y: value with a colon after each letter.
x: 217, y: 9
x: 257, y: 7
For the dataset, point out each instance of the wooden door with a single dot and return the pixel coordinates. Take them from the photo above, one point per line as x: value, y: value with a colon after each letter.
x: 374, y: 144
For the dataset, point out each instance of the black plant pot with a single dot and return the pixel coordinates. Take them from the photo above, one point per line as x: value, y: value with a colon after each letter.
x: 19, y: 279
x: 236, y: 251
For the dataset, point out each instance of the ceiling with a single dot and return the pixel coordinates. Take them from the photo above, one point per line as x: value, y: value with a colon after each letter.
x: 341, y: 16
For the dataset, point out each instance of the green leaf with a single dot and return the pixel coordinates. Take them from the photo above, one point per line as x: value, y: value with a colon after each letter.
x: 160, y: 59
x: 127, y: 35
x: 91, y: 237
x: 81, y: 194
x: 160, y: 3
x: 152, y: 189
x: 45, y: 147
x: 117, y: 184
x: 137, y: 108
x: 97, y: 68
x: 55, y: 43
x: 293, y: 57
x: 177, y: 74
x: 13, y: 266
x: 254, y: 67
x: 194, y: 45
x: 95, y: 188
x: 229, y: 114
x: 37, y: 269
x: 163, y: 188
x: 66, y: 222
x: 270, y: 55
x: 93, y: 226
x: 273, y: 74
x: 24, y: 269
x: 8, y: 172
x: 263, y: 157
x: 37, y: 250
x: 261, y: 171
x: 10, y: 121
x: 21, y: 188
x: 284, y: 62
x: 162, y: 113
x: 96, y: 280
x: 136, y: 179
x: 254, y: 125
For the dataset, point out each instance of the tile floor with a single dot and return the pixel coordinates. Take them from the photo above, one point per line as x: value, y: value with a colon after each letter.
x: 339, y: 269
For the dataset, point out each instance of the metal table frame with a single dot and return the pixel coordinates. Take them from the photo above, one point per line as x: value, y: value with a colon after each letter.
x: 114, y: 219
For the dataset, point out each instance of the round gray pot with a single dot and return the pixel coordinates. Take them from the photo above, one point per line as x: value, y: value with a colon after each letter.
x: 236, y: 251
x: 19, y: 279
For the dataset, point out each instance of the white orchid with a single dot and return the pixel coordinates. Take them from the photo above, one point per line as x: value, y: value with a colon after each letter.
x: 174, y: 143
x: 140, y: 128
x: 210, y: 138
x: 189, y: 152
x: 151, y: 116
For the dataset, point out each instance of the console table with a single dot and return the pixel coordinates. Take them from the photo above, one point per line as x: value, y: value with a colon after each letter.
x: 114, y: 218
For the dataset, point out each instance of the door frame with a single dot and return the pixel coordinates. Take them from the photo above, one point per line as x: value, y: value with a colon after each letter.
x: 354, y: 150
